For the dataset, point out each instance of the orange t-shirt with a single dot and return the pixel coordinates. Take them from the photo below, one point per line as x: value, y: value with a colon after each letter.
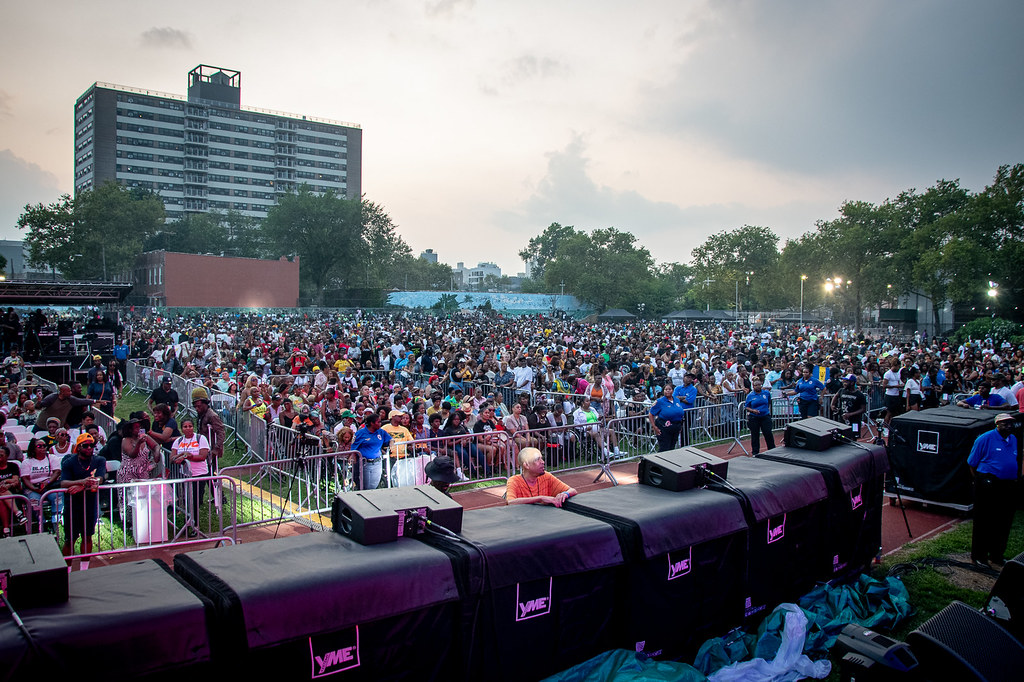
x: 547, y: 485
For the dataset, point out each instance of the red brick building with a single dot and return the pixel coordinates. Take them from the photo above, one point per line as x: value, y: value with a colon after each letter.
x: 163, y: 278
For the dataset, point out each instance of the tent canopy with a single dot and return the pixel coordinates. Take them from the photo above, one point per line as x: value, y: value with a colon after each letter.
x: 616, y: 314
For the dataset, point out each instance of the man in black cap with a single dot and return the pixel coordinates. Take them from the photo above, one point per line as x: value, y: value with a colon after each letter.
x: 164, y: 394
x: 441, y: 472
x: 850, y: 404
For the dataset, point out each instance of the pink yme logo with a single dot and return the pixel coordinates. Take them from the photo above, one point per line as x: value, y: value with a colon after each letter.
x: 679, y: 567
x: 776, y: 532
x: 857, y: 497
x: 333, y: 653
x: 533, y: 600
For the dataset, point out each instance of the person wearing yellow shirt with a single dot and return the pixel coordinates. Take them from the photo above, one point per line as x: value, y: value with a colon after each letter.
x: 399, y: 434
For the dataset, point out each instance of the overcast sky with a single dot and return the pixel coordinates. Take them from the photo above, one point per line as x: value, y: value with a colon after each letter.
x: 485, y: 121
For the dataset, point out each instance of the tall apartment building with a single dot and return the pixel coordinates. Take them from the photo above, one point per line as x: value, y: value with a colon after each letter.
x: 206, y: 152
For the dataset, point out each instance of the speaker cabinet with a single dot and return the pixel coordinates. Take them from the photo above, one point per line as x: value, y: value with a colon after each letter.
x: 679, y: 470
x: 960, y: 643
x: 37, y: 574
x: 371, y: 517
x: 816, y: 433
x: 1006, y: 603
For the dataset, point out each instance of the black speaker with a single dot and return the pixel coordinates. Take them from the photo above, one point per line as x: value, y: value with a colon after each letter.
x: 679, y: 470
x: 961, y: 643
x: 816, y: 433
x: 1006, y: 602
x: 371, y: 517
x: 35, y: 571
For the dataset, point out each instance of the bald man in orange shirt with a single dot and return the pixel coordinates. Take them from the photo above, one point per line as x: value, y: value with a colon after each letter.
x: 534, y: 485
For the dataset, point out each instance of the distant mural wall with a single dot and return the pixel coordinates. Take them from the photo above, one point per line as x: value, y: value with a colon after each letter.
x: 467, y: 300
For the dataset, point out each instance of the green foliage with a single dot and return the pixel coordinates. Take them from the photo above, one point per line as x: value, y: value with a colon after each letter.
x: 543, y: 248
x: 605, y: 268
x: 96, y: 235
x: 740, y: 262
x: 447, y: 303
x: 995, y: 328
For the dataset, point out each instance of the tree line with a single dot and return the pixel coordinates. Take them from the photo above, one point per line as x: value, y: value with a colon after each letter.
x: 946, y: 243
x: 347, y: 249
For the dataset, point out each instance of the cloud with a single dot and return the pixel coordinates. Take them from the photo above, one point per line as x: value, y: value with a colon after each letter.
x: 447, y: 8
x: 166, y: 37
x: 21, y: 183
x: 568, y: 195
x: 523, y: 69
x: 6, y: 104
x: 821, y: 87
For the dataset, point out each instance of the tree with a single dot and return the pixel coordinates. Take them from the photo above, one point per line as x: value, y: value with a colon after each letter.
x: 324, y: 230
x: 606, y: 268
x: 542, y: 248
x: 194, y: 233
x: 738, y: 263
x: 97, y: 234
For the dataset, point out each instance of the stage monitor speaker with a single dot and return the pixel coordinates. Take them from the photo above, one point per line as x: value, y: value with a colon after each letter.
x: 36, y: 572
x: 371, y: 517
x: 816, y: 433
x: 1006, y: 602
x: 961, y: 643
x: 679, y: 470
x: 130, y: 621
x: 888, y: 653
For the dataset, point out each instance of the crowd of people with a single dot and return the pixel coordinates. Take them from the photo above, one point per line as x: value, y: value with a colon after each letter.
x: 429, y: 377
x: 482, y: 390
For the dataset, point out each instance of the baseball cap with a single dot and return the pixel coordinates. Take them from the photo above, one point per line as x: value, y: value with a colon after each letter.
x: 1004, y: 417
x: 850, y: 377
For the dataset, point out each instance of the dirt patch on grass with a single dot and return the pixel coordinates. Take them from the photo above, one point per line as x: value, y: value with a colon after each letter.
x: 969, y: 578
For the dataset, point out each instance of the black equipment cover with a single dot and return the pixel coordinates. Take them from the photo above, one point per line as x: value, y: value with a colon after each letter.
x: 534, y: 577
x: 855, y: 478
x: 685, y: 561
x: 930, y: 449
x: 126, y: 621
x: 316, y: 604
x: 786, y: 509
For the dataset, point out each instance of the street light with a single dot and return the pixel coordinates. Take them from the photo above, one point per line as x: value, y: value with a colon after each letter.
x: 993, y: 289
x: 802, y: 278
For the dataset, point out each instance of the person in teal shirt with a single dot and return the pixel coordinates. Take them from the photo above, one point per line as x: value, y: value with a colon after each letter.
x: 667, y: 416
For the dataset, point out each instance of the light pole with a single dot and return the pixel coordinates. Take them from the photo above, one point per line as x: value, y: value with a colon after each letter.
x: 803, y: 278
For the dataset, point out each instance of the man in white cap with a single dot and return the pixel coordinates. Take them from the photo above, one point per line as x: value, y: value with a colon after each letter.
x: 994, y: 464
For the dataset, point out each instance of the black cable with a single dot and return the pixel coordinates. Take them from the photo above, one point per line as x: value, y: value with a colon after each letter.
x: 5, y: 600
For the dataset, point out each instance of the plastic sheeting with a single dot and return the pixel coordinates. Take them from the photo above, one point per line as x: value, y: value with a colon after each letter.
x: 789, y: 662
x: 875, y: 604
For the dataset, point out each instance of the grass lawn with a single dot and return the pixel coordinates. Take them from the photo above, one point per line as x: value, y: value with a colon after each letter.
x: 933, y: 582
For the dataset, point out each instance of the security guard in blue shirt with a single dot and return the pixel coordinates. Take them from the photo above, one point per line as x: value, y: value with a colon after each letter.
x: 993, y: 461
x: 808, y: 392
x: 687, y: 395
x: 759, y: 416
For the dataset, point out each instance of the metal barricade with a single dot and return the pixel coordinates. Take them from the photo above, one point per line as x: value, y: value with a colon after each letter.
x: 479, y: 456
x: 19, y: 502
x: 300, y: 488
x: 785, y: 410
x: 127, y: 517
x: 715, y: 423
x: 47, y: 385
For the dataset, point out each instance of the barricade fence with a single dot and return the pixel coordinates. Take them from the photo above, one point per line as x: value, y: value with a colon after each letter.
x: 299, y: 485
x: 124, y: 517
x: 15, y: 502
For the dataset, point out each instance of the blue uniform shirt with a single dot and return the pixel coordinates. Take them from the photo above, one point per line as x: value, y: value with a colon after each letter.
x: 669, y: 409
x: 760, y: 401
x: 808, y: 389
x: 994, y: 400
x: 992, y: 454
x: 369, y: 444
x: 687, y: 395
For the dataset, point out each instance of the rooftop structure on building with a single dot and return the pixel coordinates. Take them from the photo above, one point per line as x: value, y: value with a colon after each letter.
x: 206, y: 151
x: 429, y: 255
